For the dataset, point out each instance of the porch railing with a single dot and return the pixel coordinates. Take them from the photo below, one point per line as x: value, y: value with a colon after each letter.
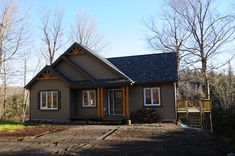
x: 194, y: 105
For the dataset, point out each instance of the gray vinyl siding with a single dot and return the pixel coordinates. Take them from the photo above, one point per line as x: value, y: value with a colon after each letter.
x: 77, y: 110
x: 167, y: 96
x: 63, y: 113
x: 69, y: 71
x: 94, y: 66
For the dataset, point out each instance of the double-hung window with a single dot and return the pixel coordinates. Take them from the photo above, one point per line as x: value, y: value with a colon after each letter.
x: 152, y: 96
x: 88, y: 98
x: 49, y: 100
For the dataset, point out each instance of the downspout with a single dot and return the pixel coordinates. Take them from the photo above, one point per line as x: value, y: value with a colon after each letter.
x: 30, y: 99
x: 175, y: 102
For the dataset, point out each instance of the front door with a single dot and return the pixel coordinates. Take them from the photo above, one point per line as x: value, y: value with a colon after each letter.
x: 115, y: 102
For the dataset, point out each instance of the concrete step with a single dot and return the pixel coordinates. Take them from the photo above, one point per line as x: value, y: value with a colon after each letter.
x: 116, y: 120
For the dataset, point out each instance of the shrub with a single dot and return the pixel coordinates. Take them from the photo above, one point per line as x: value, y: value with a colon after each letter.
x: 146, y: 115
x: 223, y: 123
x: 14, y: 107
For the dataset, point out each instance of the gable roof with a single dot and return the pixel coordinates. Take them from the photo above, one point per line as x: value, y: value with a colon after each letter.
x: 54, y: 71
x: 92, y: 81
x: 94, y: 54
x: 132, y: 69
x: 160, y: 67
x: 103, y: 60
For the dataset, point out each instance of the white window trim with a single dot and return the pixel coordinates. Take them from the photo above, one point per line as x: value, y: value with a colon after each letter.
x: 159, y: 104
x: 47, y: 92
x: 88, y: 95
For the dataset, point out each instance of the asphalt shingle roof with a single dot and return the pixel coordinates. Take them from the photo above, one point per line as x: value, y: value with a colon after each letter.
x: 148, y: 68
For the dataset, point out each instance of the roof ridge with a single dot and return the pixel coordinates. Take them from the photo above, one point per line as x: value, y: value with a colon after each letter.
x: 164, y: 53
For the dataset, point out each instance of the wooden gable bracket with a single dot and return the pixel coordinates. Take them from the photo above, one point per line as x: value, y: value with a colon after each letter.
x: 76, y: 51
x: 47, y: 75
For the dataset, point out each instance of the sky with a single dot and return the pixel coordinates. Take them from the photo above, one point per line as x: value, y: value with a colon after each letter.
x: 119, y: 21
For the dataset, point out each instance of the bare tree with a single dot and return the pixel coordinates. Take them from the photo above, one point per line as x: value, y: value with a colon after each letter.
x: 223, y: 87
x: 52, y: 31
x: 189, y: 85
x: 12, y: 30
x: 168, y: 37
x: 209, y: 31
x: 85, y: 32
x: 12, y: 39
x: 7, y: 74
x: 25, y: 93
x: 3, y: 89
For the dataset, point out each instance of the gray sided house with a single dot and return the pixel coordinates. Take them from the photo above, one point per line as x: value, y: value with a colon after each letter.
x: 81, y: 84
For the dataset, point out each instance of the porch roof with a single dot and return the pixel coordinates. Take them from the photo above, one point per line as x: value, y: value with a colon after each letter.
x: 97, y: 83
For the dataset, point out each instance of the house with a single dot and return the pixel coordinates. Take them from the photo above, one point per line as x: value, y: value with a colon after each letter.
x: 81, y: 84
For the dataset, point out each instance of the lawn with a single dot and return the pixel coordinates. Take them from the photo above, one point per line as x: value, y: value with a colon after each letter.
x: 14, y: 129
x: 11, y: 126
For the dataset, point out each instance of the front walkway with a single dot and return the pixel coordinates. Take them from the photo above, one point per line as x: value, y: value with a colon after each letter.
x: 156, y: 139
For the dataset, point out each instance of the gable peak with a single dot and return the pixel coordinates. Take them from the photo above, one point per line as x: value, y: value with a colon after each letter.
x: 75, y: 50
x: 46, y: 75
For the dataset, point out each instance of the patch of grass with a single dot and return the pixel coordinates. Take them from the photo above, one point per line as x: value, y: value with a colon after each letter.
x: 9, y: 122
x: 8, y: 125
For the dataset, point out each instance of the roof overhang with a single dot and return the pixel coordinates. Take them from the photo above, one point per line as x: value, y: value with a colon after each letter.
x: 64, y: 79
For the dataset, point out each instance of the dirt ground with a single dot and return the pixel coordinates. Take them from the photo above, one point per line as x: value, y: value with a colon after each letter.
x: 150, y: 139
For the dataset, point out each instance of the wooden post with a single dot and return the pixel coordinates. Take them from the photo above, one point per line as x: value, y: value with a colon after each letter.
x: 123, y: 101
x: 187, y: 113
x: 102, y: 102
x: 201, y: 113
x: 211, y: 124
x: 98, y: 102
x: 127, y: 102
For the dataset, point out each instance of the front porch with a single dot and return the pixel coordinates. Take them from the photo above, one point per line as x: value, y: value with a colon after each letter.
x: 103, y: 103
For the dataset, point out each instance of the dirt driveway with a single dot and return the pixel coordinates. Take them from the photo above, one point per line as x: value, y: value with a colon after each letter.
x: 156, y: 139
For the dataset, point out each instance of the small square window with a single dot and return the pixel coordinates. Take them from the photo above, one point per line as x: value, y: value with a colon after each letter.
x: 152, y: 96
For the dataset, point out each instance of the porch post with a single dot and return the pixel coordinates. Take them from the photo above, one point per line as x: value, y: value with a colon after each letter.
x: 123, y: 101
x: 127, y: 101
x: 98, y: 102
x: 102, y: 102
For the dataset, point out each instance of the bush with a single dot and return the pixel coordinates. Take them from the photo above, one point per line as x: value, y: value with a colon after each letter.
x: 146, y: 115
x: 14, y: 107
x: 223, y: 120
x: 224, y: 123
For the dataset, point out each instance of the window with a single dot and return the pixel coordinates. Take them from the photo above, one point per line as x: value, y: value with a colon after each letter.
x: 152, y: 96
x: 49, y: 100
x: 89, y: 98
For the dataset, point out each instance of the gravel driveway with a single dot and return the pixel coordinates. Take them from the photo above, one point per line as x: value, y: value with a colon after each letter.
x: 154, y: 139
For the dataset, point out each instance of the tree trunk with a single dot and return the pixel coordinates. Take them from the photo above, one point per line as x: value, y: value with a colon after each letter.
x: 25, y: 95
x: 51, y: 60
x: 4, y: 92
x: 206, y: 87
